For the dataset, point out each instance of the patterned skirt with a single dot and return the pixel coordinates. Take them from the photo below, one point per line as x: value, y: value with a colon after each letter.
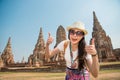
x: 74, y: 74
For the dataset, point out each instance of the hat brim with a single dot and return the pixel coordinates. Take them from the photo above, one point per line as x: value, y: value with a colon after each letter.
x: 70, y: 27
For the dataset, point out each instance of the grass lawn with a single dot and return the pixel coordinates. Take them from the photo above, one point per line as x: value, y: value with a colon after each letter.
x: 103, y: 75
x: 109, y: 63
x: 111, y: 74
x: 31, y: 76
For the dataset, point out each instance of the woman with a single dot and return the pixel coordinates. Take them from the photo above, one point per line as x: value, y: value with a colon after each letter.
x: 81, y: 59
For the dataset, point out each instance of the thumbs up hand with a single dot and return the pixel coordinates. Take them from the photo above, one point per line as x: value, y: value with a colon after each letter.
x: 50, y: 39
x: 90, y: 49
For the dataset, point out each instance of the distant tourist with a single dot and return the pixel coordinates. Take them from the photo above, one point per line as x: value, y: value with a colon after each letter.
x: 81, y: 59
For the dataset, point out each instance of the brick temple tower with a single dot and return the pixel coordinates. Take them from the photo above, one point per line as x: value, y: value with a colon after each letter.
x: 7, y: 55
x: 37, y: 58
x: 102, y: 41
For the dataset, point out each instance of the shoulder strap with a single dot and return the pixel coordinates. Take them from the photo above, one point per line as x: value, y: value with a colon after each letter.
x: 65, y: 45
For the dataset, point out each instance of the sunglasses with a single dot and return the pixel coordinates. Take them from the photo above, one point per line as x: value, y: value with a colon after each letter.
x: 78, y: 33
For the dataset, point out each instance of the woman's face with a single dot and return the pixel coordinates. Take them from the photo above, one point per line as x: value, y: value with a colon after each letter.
x: 75, y: 35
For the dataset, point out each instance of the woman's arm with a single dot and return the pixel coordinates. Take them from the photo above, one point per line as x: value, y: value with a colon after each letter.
x: 93, y: 64
x: 48, y: 53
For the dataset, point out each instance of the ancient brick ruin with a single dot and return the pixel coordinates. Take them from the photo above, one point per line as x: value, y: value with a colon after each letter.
x: 103, y: 42
x: 37, y: 58
x: 7, y: 55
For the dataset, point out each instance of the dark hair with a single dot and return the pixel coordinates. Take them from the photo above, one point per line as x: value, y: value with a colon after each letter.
x: 81, y: 52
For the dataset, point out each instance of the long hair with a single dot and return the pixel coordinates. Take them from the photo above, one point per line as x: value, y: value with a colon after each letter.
x: 81, y: 52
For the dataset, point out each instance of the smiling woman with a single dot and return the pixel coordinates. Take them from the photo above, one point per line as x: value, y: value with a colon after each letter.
x: 76, y: 53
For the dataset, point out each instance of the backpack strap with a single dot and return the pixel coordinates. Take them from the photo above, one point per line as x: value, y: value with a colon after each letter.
x: 65, y: 45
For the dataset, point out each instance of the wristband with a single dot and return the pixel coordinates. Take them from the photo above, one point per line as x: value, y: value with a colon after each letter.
x: 94, y: 55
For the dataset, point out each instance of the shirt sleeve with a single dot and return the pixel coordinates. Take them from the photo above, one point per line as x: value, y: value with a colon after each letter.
x: 60, y: 46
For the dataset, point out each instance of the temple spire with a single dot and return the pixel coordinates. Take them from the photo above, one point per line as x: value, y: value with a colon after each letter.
x: 40, y: 42
x: 96, y: 24
x: 7, y: 55
x: 60, y: 35
x: 102, y: 42
x: 40, y: 34
x: 37, y: 58
x: 94, y: 17
x: 8, y: 46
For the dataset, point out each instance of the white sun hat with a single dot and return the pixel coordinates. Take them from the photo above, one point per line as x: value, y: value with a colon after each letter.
x: 78, y: 25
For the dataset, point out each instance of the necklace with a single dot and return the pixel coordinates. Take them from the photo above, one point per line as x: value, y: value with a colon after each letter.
x: 73, y: 64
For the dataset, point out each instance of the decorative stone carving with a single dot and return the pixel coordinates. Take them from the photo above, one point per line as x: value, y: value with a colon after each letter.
x: 102, y: 42
x: 7, y: 55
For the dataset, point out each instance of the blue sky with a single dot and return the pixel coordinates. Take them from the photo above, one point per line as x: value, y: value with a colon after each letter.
x: 21, y: 20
